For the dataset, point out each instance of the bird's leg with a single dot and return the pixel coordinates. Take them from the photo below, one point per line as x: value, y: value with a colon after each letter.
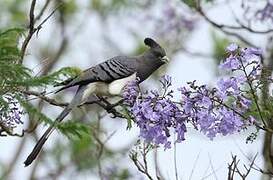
x: 110, y: 108
x: 91, y: 100
x: 102, y: 102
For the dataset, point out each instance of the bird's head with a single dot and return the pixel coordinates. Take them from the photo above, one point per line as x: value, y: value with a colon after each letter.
x: 157, y: 50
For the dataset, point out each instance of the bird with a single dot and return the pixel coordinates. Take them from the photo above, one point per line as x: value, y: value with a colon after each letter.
x: 106, y: 79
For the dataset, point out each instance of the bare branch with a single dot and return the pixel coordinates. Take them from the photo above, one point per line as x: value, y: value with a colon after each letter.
x: 44, y: 98
x: 142, y: 167
x: 32, y: 28
x: 222, y: 27
x: 233, y: 168
x: 30, y: 31
x: 37, y: 18
x: 230, y: 27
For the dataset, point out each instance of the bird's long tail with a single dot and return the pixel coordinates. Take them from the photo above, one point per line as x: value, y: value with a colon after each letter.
x: 45, y: 136
x: 37, y: 148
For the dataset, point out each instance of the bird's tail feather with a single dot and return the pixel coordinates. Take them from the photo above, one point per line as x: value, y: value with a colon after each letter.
x: 45, y: 136
x: 75, y: 101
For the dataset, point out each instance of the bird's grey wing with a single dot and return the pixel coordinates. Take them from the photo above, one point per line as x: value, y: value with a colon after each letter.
x: 115, y: 68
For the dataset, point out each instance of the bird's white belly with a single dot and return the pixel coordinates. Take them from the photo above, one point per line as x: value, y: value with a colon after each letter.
x: 104, y: 89
x: 115, y: 87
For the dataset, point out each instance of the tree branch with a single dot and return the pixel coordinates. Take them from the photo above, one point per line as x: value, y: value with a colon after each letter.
x: 32, y: 28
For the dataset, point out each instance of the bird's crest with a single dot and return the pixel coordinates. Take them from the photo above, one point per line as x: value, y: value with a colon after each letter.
x: 151, y: 43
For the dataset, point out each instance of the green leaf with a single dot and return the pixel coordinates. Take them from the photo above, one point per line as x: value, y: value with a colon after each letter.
x: 73, y: 129
x: 219, y: 47
x: 128, y: 117
x: 69, y: 7
x: 9, y: 55
x: 51, y: 79
x: 10, y: 37
x: 190, y: 3
x: 34, y: 112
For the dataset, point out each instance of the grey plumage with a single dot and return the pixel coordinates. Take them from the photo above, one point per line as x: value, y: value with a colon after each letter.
x: 107, y: 78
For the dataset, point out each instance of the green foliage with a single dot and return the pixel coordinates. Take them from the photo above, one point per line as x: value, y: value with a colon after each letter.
x: 128, y: 117
x: 82, y: 148
x: 9, y: 56
x: 17, y: 11
x: 73, y: 129
x: 140, y: 48
x: 33, y: 112
x: 69, y: 7
x: 219, y: 47
x: 192, y: 3
x: 15, y: 76
x: 52, y: 79
x: 267, y: 108
x: 118, y: 173
x: 12, y: 13
x: 3, y: 104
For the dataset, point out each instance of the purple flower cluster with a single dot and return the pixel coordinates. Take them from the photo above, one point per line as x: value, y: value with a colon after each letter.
x: 131, y: 92
x: 207, y: 111
x: 218, y: 110
x: 266, y: 13
x: 11, y: 116
x: 157, y: 116
x: 261, y: 11
x: 173, y: 22
x: 243, y: 61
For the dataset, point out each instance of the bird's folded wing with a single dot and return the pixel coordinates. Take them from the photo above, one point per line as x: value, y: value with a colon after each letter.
x: 115, y: 68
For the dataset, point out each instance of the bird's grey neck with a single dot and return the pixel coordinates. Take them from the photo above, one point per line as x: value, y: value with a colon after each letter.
x: 150, y: 58
x: 149, y: 64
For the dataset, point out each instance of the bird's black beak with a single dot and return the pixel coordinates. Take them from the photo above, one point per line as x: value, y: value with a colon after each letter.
x: 165, y: 59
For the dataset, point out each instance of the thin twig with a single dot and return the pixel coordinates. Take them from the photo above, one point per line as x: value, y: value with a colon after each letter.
x: 37, y: 18
x: 222, y: 27
x: 44, y: 98
x: 212, y: 168
x: 44, y: 21
x: 158, y: 173
x: 32, y: 28
x: 194, y: 165
x: 175, y: 162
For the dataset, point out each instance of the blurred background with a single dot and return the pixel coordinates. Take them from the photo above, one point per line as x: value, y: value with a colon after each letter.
x: 82, y: 33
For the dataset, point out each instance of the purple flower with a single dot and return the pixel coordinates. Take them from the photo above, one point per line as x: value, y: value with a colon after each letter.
x: 166, y: 81
x: 11, y: 116
x: 205, y: 107
x: 248, y: 54
x: 230, y: 63
x: 245, y: 103
x: 232, y: 47
x: 251, y: 120
x: 213, y: 111
x: 206, y: 102
x: 188, y: 105
x: 228, y: 86
x: 156, y: 116
x: 230, y: 122
x: 266, y: 13
x: 130, y: 92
